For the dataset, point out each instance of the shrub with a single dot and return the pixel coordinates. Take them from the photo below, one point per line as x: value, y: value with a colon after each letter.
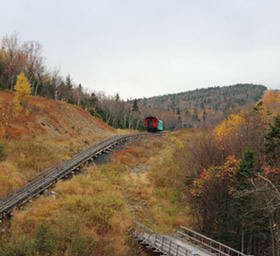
x: 45, y: 240
x: 21, y: 246
x: 2, y: 151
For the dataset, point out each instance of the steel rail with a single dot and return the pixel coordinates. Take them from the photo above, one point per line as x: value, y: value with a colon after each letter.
x: 52, y: 175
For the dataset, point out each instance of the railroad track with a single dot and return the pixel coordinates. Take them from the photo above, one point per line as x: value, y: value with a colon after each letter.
x: 63, y: 170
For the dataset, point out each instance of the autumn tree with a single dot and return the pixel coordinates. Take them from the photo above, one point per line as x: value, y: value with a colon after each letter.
x: 33, y: 66
x: 271, y: 101
x: 211, y: 201
x: 23, y: 88
x: 12, y: 58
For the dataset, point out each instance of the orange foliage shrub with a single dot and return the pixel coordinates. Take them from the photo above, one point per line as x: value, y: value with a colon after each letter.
x: 212, y: 175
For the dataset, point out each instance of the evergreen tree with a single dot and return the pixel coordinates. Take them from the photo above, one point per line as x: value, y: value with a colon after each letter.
x: 68, y: 82
x: 246, y: 170
x: 244, y: 219
x: 204, y: 116
x: 135, y: 107
x: 45, y: 240
x: 93, y: 100
x: 272, y: 143
x: 117, y: 97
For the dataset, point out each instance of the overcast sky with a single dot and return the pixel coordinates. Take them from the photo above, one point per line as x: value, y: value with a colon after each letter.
x: 152, y: 47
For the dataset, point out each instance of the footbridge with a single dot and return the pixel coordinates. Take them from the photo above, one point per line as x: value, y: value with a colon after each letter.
x: 183, y: 242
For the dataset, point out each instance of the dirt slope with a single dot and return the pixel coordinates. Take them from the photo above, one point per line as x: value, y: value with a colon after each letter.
x: 43, y: 134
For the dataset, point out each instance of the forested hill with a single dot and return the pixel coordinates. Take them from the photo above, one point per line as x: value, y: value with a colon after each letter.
x: 214, y: 98
x: 194, y: 107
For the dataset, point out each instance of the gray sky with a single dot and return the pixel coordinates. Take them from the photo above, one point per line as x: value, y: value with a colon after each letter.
x: 152, y: 47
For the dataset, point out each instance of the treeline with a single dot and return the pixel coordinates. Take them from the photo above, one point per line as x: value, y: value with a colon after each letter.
x: 233, y: 179
x: 26, y: 57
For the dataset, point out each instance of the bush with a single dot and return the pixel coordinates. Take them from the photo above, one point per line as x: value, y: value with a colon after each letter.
x: 2, y: 151
x: 45, y: 240
x: 20, y: 246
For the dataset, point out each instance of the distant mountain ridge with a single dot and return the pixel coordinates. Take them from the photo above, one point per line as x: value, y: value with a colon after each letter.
x: 206, y: 105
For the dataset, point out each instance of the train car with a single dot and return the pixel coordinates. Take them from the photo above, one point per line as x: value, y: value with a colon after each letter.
x: 153, y: 124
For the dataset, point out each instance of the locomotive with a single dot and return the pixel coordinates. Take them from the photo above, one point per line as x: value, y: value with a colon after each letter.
x: 153, y: 124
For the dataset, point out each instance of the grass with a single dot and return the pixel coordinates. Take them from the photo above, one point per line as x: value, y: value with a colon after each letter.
x: 10, y: 180
x: 31, y: 158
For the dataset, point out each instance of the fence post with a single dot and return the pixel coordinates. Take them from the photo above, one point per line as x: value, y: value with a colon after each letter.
x: 170, y: 246
x: 149, y: 237
x: 177, y: 250
x: 162, y: 243
x: 155, y: 242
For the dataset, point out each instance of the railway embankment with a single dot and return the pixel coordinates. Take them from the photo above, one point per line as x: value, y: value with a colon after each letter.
x: 94, y: 212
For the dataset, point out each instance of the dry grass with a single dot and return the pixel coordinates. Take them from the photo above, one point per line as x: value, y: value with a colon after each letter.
x: 96, y: 209
x: 93, y: 203
x: 10, y: 180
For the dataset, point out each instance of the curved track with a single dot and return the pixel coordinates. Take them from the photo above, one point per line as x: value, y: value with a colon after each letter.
x: 65, y: 169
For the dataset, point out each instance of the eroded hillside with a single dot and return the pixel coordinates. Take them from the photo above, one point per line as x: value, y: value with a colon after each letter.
x: 43, y: 134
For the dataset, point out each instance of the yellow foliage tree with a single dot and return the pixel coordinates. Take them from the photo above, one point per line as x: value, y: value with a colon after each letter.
x: 23, y: 88
x: 229, y: 126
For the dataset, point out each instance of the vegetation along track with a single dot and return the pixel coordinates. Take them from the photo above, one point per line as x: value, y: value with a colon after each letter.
x: 63, y: 170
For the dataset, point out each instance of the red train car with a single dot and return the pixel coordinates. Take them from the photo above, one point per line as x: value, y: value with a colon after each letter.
x: 153, y: 124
